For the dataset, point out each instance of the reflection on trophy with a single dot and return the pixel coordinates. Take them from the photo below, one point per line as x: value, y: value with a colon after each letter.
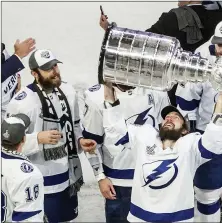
x: 154, y: 61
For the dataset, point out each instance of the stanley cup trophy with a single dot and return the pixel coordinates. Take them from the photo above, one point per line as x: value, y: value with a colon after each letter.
x: 154, y: 61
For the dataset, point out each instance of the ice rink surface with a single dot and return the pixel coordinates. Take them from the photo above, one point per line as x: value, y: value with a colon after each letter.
x: 91, y: 204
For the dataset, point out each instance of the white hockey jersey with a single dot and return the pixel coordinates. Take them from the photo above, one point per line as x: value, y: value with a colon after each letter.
x: 204, y: 51
x: 139, y: 106
x: 8, y: 88
x: 163, y: 180
x: 196, y: 100
x: 55, y: 172
x: 22, y: 192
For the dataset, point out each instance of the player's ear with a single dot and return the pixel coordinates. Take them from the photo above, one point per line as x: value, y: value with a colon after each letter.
x: 185, y: 129
x: 34, y: 74
x: 23, y: 140
x: 184, y: 132
x: 20, y: 145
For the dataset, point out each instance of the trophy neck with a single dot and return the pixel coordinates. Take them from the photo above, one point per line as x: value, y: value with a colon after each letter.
x: 190, y: 67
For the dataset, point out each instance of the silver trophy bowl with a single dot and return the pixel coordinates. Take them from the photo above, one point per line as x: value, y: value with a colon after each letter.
x: 136, y: 58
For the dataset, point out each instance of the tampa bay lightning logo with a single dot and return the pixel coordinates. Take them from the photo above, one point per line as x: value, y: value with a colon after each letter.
x: 138, y: 119
x: 142, y: 118
x: 26, y: 168
x: 21, y: 96
x: 164, y: 173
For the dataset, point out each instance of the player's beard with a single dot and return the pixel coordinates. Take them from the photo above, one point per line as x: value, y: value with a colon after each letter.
x: 49, y: 83
x: 170, y: 134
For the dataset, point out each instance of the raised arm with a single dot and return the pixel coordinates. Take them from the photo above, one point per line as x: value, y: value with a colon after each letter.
x: 93, y: 129
x: 210, y: 144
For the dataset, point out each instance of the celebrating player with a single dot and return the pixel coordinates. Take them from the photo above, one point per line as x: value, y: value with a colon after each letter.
x: 53, y: 135
x: 197, y: 100
x: 22, y: 192
x: 114, y: 165
x: 166, y: 161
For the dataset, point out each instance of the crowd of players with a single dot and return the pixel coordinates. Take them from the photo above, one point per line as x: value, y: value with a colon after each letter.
x: 157, y: 156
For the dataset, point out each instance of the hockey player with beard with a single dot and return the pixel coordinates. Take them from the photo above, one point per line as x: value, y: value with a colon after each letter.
x: 166, y: 161
x: 197, y: 101
x: 113, y: 164
x: 54, y: 137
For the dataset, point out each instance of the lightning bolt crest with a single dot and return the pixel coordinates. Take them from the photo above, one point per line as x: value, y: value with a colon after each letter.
x: 162, y: 168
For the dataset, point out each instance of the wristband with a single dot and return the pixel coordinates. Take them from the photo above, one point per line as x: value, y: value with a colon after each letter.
x: 100, y: 176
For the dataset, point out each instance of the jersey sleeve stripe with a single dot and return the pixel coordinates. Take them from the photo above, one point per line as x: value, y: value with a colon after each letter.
x: 56, y: 179
x: 187, y: 105
x: 208, y: 209
x: 118, y: 174
x: 88, y: 135
x: 206, y: 153
x: 21, y: 216
x: 161, y: 217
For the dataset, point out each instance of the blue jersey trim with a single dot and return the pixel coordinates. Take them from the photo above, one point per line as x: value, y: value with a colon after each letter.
x: 208, y: 209
x: 161, y: 217
x: 187, y: 105
x: 88, y: 135
x: 56, y: 179
x: 31, y: 87
x: 13, y: 156
x: 124, y: 140
x: 126, y: 174
x: 206, y: 153
x: 21, y: 216
x: 208, y: 175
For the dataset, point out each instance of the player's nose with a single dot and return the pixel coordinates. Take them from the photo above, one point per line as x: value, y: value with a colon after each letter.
x: 168, y: 119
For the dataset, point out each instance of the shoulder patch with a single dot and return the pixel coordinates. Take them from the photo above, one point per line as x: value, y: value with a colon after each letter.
x: 95, y: 88
x: 21, y: 95
x: 26, y: 167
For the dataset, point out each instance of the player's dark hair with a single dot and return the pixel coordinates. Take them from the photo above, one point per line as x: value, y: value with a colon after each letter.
x: 36, y: 70
x: 186, y: 127
x: 10, y: 147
